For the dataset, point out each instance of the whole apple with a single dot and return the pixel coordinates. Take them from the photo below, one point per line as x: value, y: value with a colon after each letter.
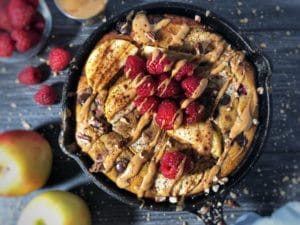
x: 25, y: 162
x: 56, y: 208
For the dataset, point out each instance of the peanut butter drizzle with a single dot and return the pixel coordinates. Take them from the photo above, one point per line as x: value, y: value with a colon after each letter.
x: 200, y: 89
x: 220, y: 94
x: 141, y: 26
x: 136, y: 163
x: 85, y: 109
x: 186, y: 102
x: 143, y: 121
x: 243, y: 121
x: 178, y: 118
x: 178, y: 66
x: 178, y: 38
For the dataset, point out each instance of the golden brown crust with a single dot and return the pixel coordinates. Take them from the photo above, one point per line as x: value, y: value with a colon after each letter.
x: 106, y: 118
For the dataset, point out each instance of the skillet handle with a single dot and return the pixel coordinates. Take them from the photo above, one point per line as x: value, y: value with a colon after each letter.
x: 211, y: 213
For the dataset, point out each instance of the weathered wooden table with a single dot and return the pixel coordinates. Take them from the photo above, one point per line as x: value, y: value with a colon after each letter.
x: 273, y: 26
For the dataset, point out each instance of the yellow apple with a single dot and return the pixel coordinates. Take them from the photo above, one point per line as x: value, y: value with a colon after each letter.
x: 56, y: 208
x: 25, y: 162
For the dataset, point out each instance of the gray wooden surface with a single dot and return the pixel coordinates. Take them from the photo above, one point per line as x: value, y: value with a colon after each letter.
x: 270, y: 25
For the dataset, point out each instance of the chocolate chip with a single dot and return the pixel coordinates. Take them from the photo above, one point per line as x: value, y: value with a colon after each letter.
x: 121, y: 165
x: 83, y: 97
x: 225, y: 100
x: 153, y: 19
x: 241, y: 140
x: 242, y: 90
x: 123, y: 27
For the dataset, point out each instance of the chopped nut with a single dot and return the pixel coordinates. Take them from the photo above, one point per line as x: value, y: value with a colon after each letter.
x: 207, y: 12
x: 173, y: 199
x: 255, y: 122
x: 197, y: 18
x: 160, y: 199
x: 260, y: 90
x: 215, y: 188
x: 263, y: 45
x: 244, y: 20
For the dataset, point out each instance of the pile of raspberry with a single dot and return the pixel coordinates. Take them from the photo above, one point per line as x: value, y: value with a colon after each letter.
x: 161, y: 89
x: 21, y: 26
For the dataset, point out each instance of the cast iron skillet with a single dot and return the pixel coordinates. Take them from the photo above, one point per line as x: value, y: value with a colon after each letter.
x: 213, y: 201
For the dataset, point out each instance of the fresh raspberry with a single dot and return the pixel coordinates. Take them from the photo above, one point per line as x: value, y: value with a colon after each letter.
x: 33, y: 3
x: 170, y: 164
x: 159, y: 64
x: 166, y: 114
x: 25, y: 39
x: 148, y: 104
x: 59, y: 59
x: 190, y: 84
x: 46, y: 95
x: 172, y: 89
x: 38, y: 22
x: 20, y: 13
x: 30, y: 75
x: 6, y: 45
x: 186, y: 70
x: 147, y: 88
x: 193, y: 113
x: 134, y: 66
x: 5, y: 23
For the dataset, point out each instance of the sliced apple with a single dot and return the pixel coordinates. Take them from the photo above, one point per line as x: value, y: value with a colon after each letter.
x: 202, y: 136
x: 25, y: 162
x: 106, y: 60
x: 56, y: 208
x: 119, y: 96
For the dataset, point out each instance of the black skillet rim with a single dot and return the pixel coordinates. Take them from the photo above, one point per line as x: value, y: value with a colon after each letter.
x: 218, y: 24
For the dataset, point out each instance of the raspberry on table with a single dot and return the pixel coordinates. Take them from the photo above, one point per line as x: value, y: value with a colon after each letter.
x: 134, y: 66
x: 58, y: 59
x: 46, y: 95
x: 146, y: 104
x: 186, y: 70
x: 158, y: 63
x: 190, y: 84
x: 30, y: 76
x: 193, y: 113
x: 20, y: 13
x: 6, y: 45
x: 167, y: 87
x: 146, y: 88
x: 170, y: 163
x: 166, y: 114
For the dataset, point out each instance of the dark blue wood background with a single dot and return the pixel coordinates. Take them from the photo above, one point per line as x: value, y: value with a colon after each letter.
x: 272, y: 26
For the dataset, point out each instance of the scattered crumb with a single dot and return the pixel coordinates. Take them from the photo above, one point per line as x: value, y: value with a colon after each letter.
x: 285, y: 179
x: 104, y: 19
x: 233, y: 195
x: 13, y: 105
x: 263, y: 45
x: 53, y: 36
x: 246, y: 191
x: 42, y: 60
x: 244, y: 20
x: 288, y: 33
x: 277, y: 8
x: 255, y: 122
x: 26, y: 125
x: 254, y: 11
x: 238, y: 11
x: 71, y: 45
x: 239, y: 3
x: 207, y: 12
x: 49, y: 108
x: 148, y: 217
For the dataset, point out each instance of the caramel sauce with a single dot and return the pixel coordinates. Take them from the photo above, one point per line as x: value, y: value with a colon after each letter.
x: 82, y: 9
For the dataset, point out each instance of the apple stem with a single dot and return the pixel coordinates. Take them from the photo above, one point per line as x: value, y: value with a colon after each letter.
x: 39, y: 222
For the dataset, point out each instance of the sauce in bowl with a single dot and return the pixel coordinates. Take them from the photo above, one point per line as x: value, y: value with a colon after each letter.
x: 81, y: 9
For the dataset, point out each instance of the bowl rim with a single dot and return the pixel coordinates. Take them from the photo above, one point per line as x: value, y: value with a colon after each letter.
x: 230, y: 33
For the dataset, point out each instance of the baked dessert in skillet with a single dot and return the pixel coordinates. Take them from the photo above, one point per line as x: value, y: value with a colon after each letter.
x: 165, y: 106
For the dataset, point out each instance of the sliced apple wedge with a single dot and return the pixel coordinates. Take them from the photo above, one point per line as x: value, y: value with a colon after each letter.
x: 202, y: 136
x: 119, y: 96
x: 106, y: 60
